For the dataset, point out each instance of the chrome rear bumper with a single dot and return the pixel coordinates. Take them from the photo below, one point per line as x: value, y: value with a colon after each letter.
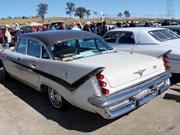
x: 130, y: 98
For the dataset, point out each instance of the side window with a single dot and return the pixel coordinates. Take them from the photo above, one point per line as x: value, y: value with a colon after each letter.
x: 21, y: 46
x: 34, y: 48
x: 111, y: 37
x: 45, y: 54
x: 126, y: 38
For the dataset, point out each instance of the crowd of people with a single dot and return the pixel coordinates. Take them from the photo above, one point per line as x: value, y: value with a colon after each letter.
x: 10, y: 34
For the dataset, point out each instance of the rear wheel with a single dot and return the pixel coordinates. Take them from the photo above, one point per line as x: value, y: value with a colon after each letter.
x: 57, y: 100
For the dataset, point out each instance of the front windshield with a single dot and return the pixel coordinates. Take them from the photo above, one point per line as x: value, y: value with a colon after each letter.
x: 163, y: 35
x: 79, y: 48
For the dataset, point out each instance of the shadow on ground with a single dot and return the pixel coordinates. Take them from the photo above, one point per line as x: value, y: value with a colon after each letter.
x: 175, y: 79
x: 70, y: 119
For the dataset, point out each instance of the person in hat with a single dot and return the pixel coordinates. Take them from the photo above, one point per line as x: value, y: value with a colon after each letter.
x: 87, y: 27
x: 7, y: 35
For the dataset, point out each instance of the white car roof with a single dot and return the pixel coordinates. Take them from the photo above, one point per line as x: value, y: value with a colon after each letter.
x: 137, y: 29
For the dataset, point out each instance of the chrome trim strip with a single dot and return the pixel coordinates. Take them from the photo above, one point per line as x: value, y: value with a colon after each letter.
x: 174, y: 59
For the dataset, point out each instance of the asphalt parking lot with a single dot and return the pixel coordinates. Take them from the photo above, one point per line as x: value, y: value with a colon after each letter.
x: 24, y: 111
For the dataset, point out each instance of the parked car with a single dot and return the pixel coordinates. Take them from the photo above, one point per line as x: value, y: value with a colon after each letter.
x: 174, y: 28
x: 147, y: 40
x: 80, y: 68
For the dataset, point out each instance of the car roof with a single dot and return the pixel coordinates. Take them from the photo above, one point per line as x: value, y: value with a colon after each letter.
x: 137, y: 29
x: 172, y: 26
x: 52, y: 36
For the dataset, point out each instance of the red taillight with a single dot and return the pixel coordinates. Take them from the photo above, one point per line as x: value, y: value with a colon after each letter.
x: 100, y: 76
x: 105, y: 91
x: 102, y: 84
x: 165, y: 57
x: 166, y: 62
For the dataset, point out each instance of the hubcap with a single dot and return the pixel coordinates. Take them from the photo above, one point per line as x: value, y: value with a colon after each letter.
x: 55, y: 98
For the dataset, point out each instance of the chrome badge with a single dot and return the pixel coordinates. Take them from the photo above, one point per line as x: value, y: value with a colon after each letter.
x: 140, y: 72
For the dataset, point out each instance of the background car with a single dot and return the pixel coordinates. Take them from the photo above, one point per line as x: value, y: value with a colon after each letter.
x: 79, y: 68
x: 147, y: 40
x: 174, y: 28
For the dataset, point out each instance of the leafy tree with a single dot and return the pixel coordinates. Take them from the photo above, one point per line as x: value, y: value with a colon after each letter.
x: 80, y: 12
x: 42, y: 10
x: 24, y: 17
x: 88, y: 13
x: 70, y: 8
x: 119, y: 15
x: 127, y: 13
x: 95, y: 13
x: 9, y: 17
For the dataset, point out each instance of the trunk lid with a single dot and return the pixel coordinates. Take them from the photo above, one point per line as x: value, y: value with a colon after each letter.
x: 122, y: 67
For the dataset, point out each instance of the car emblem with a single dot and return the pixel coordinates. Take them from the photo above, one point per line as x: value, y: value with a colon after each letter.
x: 140, y: 72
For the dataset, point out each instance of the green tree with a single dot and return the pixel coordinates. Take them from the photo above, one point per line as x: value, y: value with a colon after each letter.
x: 127, y: 13
x: 119, y: 15
x: 42, y: 10
x: 70, y: 8
x: 80, y: 12
x: 88, y: 13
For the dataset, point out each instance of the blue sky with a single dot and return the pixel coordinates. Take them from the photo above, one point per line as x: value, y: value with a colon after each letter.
x: 56, y: 8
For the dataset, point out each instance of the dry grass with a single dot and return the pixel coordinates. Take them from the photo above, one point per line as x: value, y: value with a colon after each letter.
x: 69, y: 21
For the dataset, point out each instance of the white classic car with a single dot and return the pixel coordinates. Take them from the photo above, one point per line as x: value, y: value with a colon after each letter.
x: 147, y: 40
x: 80, y: 68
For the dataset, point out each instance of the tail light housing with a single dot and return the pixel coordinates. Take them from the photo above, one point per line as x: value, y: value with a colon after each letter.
x: 102, y: 84
x: 166, y: 62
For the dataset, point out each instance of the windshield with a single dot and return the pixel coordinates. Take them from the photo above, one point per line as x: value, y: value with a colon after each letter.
x: 79, y: 48
x: 163, y: 35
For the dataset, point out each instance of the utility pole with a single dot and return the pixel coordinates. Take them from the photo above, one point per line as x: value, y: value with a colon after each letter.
x: 170, y: 13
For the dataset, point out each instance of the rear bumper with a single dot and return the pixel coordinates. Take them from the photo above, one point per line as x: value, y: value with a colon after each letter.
x: 130, y: 98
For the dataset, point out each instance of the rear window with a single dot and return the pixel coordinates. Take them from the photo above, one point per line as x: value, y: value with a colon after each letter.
x: 163, y: 35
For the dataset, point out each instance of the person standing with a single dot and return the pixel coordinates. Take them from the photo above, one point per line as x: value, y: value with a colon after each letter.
x: 7, y: 36
x: 87, y: 27
x: 75, y: 27
x: 104, y: 28
x: 94, y: 27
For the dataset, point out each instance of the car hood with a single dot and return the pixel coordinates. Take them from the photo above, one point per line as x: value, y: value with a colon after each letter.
x: 122, y: 67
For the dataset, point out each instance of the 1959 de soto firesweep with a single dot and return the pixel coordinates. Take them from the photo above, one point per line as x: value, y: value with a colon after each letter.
x: 80, y: 68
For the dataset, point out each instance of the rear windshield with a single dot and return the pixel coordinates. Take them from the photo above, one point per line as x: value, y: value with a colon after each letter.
x: 163, y: 35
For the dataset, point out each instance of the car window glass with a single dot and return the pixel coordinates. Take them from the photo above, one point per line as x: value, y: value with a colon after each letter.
x: 21, y: 46
x: 34, y: 48
x: 126, y: 38
x: 45, y: 54
x: 163, y: 35
x: 78, y: 48
x: 111, y: 37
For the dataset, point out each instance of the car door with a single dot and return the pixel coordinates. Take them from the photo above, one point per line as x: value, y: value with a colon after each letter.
x: 14, y: 64
x: 31, y: 74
